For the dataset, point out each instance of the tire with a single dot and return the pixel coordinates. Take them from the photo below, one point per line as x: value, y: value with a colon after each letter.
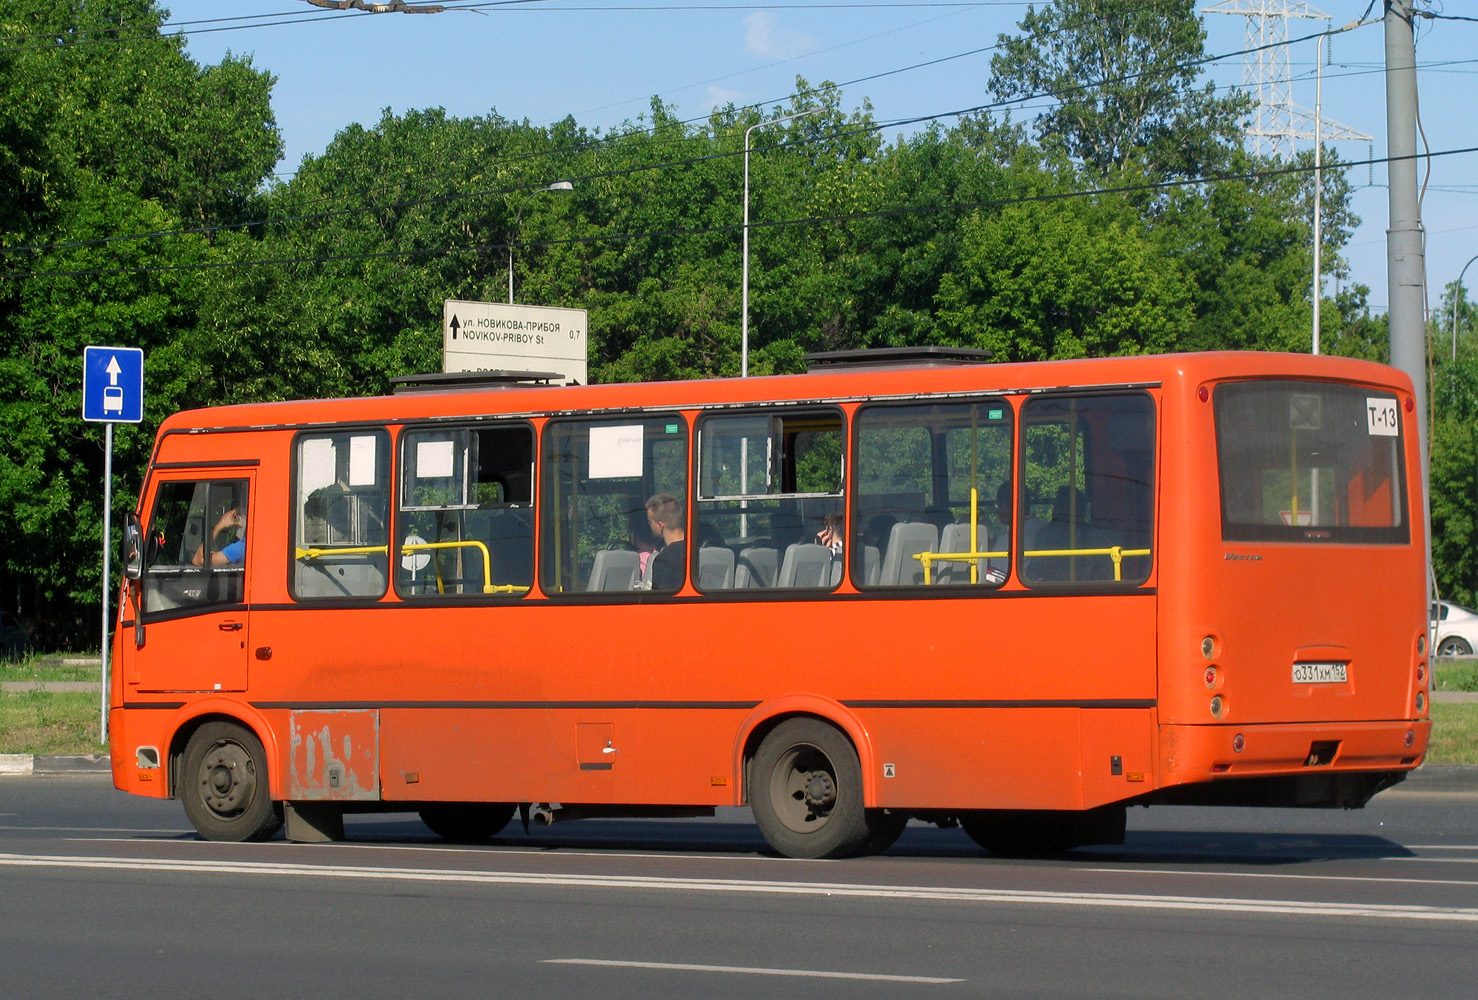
x: 224, y: 785
x: 1020, y: 833
x: 1454, y: 646
x: 806, y: 791
x: 467, y: 822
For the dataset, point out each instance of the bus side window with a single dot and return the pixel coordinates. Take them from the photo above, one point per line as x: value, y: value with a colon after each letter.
x: 598, y: 475
x: 770, y: 500
x: 182, y: 527
x: 341, y: 507
x: 465, y: 523
x: 928, y: 501
x: 1088, y: 465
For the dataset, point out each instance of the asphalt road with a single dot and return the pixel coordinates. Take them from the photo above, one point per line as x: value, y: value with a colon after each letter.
x: 104, y: 895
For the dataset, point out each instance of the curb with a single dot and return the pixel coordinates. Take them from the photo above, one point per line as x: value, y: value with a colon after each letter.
x: 25, y: 765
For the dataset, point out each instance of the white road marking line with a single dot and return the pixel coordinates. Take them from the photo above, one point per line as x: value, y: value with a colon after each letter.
x: 1440, y: 861
x: 829, y: 889
x: 489, y: 849
x: 1441, y: 847
x: 170, y: 831
x: 803, y: 973
x: 1283, y: 875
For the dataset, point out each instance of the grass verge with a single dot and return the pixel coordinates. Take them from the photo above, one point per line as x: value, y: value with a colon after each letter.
x: 50, y: 668
x: 49, y: 722
x: 1455, y: 675
x: 1454, y: 733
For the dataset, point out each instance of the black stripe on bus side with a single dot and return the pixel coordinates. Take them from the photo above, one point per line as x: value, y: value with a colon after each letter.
x: 337, y: 706
x: 165, y: 705
x: 225, y: 463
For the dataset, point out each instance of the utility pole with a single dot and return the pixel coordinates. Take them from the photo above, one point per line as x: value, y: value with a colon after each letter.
x: 1406, y: 269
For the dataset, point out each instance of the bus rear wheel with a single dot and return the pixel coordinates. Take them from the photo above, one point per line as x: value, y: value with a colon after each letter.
x: 467, y: 822
x: 806, y: 792
x: 224, y: 787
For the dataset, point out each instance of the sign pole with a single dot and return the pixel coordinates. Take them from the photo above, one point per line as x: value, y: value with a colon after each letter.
x: 107, y: 572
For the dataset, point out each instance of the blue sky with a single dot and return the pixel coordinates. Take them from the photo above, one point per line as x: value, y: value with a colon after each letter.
x: 603, y: 60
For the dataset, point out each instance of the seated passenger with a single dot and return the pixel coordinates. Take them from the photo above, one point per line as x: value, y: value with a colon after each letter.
x: 668, y: 521
x: 231, y: 553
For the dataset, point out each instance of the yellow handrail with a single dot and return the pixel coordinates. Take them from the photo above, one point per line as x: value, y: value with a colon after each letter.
x: 488, y: 587
x: 1115, y: 552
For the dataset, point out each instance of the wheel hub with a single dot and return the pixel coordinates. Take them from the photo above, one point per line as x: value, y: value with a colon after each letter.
x: 820, y: 791
x: 227, y: 780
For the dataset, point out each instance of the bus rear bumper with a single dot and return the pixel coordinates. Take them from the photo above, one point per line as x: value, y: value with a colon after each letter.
x: 1327, y: 764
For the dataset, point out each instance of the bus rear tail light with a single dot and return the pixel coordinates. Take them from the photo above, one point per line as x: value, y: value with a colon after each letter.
x: 1239, y: 743
x: 1421, y: 702
x: 1218, y: 706
x: 1211, y: 677
x: 1410, y: 740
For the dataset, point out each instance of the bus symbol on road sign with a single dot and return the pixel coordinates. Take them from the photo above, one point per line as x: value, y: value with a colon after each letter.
x: 113, y: 385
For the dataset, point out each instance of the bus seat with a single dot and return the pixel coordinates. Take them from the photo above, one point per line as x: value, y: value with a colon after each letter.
x: 956, y: 538
x: 806, y: 564
x: 757, y: 568
x: 613, y: 569
x: 872, y: 564
x: 907, y: 539
x: 715, y: 568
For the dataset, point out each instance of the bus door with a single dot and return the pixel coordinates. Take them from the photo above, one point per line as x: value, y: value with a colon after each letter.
x: 191, y: 625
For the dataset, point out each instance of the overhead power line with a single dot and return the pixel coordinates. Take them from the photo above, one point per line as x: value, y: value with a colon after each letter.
x: 1244, y: 176
x: 462, y: 196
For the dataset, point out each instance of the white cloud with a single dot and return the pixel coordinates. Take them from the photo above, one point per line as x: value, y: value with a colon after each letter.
x: 764, y: 36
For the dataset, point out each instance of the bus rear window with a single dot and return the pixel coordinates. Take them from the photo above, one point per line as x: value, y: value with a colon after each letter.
x: 1310, y: 462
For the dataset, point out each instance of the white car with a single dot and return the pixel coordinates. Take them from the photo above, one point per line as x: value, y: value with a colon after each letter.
x: 1457, y: 629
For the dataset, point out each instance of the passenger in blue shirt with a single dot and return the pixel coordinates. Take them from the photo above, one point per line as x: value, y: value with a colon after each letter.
x: 232, y: 553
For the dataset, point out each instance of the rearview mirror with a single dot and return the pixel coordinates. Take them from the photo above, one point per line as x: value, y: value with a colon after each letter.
x: 133, y: 547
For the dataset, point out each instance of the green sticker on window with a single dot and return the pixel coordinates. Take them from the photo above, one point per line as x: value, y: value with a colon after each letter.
x: 994, y: 414
x: 672, y: 428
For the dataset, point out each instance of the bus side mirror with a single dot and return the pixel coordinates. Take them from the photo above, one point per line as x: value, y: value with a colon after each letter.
x: 133, y: 547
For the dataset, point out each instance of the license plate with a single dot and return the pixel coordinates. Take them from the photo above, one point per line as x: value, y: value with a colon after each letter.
x: 1320, y: 673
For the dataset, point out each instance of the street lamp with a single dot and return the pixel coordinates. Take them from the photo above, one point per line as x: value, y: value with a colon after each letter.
x: 518, y: 216
x: 1455, y: 293
x: 744, y: 304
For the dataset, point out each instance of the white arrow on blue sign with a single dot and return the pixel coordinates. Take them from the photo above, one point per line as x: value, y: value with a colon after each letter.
x: 113, y: 385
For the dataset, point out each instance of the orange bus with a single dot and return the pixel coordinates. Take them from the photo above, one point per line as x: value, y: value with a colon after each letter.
x: 1012, y: 597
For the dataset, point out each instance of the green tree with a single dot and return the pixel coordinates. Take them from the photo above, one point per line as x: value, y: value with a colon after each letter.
x: 1124, y: 79
x: 106, y: 129
x: 1063, y: 279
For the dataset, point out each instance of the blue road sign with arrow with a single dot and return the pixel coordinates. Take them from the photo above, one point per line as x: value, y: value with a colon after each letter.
x: 113, y: 385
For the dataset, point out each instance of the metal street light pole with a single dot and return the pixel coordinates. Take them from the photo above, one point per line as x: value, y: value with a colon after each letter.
x: 744, y: 294
x: 518, y: 217
x: 1455, y: 293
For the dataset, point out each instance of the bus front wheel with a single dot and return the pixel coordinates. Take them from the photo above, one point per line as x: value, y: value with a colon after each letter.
x: 806, y: 791
x: 223, y: 785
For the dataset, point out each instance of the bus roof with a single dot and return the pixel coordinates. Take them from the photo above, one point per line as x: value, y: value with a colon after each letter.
x: 885, y: 381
